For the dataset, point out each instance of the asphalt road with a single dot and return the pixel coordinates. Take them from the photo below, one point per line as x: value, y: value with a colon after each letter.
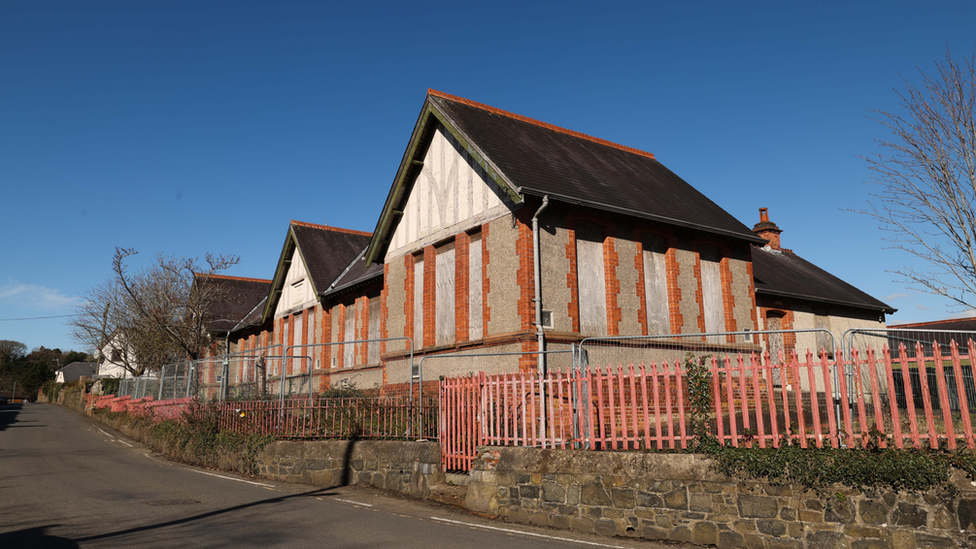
x: 66, y: 481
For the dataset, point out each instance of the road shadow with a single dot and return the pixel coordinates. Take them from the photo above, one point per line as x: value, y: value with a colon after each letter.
x: 347, y: 461
x: 36, y: 538
x: 194, y: 518
x: 8, y: 414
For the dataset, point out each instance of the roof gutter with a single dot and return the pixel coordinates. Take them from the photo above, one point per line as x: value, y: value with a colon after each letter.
x: 671, y: 221
x: 884, y: 308
x: 354, y: 284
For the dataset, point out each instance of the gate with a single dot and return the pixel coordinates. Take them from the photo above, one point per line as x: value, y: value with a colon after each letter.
x: 518, y: 409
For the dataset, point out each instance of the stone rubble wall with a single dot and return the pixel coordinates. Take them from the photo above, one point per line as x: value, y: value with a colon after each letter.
x: 406, y: 467
x: 679, y: 497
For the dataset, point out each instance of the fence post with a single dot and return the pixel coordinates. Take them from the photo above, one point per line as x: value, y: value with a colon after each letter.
x: 162, y: 376
x: 573, y: 379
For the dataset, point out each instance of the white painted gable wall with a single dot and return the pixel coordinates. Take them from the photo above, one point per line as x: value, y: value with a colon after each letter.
x: 451, y: 194
x: 297, y: 292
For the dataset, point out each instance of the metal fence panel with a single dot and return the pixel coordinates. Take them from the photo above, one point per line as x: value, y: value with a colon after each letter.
x: 756, y: 399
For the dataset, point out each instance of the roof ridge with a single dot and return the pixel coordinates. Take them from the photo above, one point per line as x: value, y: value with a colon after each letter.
x: 228, y: 277
x: 541, y: 124
x: 929, y: 323
x: 329, y: 228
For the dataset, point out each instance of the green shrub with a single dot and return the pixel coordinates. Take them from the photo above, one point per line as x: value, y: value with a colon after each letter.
x: 817, y: 468
x: 110, y: 385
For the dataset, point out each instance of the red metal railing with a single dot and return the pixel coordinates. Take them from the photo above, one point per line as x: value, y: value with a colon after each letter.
x: 336, y: 418
x: 871, y: 398
x: 384, y: 417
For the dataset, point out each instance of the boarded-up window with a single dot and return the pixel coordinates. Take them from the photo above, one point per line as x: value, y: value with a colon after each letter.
x: 711, y: 281
x: 418, y: 303
x: 296, y: 339
x: 285, y: 334
x: 591, y: 279
x: 373, y: 352
x: 313, y: 338
x: 349, y: 351
x: 656, y: 286
x: 444, y: 295
x: 297, y: 292
x: 475, y: 295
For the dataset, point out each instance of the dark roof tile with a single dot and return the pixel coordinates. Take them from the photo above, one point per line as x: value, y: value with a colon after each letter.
x: 542, y: 159
x: 783, y: 273
x: 241, y: 296
x: 327, y: 251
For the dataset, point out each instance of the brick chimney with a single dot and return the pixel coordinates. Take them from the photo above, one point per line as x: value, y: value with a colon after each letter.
x: 767, y: 229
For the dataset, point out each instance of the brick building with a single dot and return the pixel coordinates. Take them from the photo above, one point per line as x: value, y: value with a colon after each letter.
x: 481, y: 198
x: 794, y: 294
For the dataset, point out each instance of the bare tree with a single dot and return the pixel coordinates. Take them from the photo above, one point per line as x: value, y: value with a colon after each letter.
x: 155, y: 316
x: 11, y: 351
x: 927, y: 176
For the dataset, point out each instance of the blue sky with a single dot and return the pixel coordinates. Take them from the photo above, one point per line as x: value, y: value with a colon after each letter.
x: 194, y: 127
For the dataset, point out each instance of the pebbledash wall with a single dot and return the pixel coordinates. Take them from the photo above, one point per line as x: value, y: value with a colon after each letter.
x: 678, y: 497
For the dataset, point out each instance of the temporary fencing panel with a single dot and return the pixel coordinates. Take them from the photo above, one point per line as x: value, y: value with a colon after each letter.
x: 756, y: 400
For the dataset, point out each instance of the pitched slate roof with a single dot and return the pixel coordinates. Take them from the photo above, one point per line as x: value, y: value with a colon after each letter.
x: 326, y: 251
x: 529, y: 157
x: 241, y: 296
x: 356, y: 274
x: 74, y: 371
x: 785, y: 274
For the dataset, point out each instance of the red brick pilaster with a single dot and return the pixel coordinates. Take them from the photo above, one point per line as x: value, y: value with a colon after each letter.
x: 674, y: 290
x: 789, y: 340
x: 430, y: 296
x: 641, y: 288
x: 485, y: 281
x: 699, y: 293
x: 572, y: 277
x: 462, y: 293
x: 728, y: 298
x: 752, y: 295
x: 612, y: 284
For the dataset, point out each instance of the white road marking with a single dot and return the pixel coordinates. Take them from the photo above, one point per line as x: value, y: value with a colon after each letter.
x: 520, y: 532
x: 353, y: 502
x: 232, y: 478
x: 104, y: 433
x: 126, y: 443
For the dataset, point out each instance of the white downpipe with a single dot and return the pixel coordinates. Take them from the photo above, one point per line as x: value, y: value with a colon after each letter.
x: 537, y: 263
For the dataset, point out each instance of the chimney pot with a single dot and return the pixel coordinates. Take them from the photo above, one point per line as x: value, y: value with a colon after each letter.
x: 767, y: 229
